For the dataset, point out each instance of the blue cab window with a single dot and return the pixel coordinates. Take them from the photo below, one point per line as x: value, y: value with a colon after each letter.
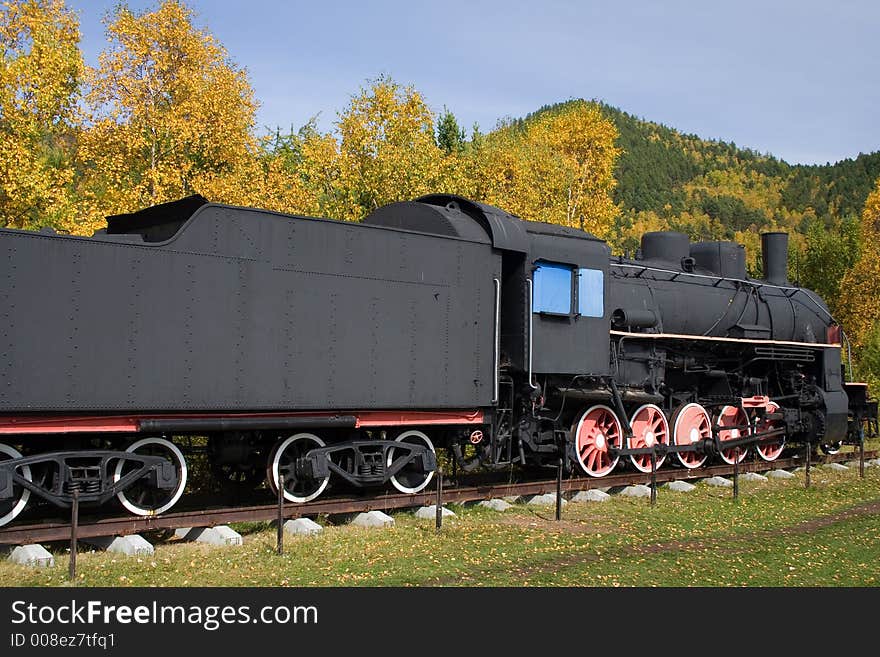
x: 552, y: 289
x: 591, y: 293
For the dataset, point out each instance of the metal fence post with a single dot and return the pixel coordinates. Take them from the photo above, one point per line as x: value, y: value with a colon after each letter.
x: 861, y: 453
x: 74, y: 529
x: 736, y: 474
x: 439, y: 502
x: 654, y: 477
x: 559, y: 490
x: 280, y: 513
x: 808, y: 457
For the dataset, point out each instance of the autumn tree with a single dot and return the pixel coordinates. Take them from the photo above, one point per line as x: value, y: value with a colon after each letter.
x: 557, y: 167
x: 387, y: 150
x: 39, y: 77
x: 830, y: 251
x: 171, y: 116
x: 859, y: 306
x: 303, y: 172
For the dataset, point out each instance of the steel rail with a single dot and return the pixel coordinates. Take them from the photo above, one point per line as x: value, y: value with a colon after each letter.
x: 91, y: 528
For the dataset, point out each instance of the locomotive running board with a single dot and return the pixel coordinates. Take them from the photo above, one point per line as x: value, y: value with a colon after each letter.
x: 709, y: 338
x: 167, y: 422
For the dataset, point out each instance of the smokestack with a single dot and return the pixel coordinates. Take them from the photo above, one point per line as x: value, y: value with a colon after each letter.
x: 774, y: 247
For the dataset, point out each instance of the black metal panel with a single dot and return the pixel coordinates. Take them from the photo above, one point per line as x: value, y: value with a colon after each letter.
x: 434, y: 219
x: 507, y: 231
x: 244, y: 309
x: 569, y: 344
x: 708, y: 305
x: 514, y: 311
x: 834, y: 398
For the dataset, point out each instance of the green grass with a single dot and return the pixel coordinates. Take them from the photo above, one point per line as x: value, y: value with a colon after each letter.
x: 778, y: 534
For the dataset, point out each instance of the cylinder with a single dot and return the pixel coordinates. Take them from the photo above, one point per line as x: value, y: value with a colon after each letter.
x: 774, y: 249
x: 634, y: 318
x: 726, y: 259
x: 666, y: 246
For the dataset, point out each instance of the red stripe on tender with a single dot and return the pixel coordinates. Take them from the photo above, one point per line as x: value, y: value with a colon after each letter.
x: 129, y: 423
x: 31, y: 425
x: 398, y: 418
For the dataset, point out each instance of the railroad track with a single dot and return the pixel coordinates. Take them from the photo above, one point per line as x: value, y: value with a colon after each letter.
x: 90, y: 528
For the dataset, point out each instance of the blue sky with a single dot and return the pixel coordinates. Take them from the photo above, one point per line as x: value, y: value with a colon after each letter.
x: 795, y: 79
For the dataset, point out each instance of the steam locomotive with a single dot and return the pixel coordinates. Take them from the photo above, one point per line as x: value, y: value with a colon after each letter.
x: 308, y: 353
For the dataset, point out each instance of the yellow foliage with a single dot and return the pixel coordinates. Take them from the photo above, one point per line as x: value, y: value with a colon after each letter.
x: 558, y: 168
x: 39, y: 76
x: 167, y: 114
x: 627, y: 235
x: 171, y: 116
x: 859, y: 305
x: 386, y: 151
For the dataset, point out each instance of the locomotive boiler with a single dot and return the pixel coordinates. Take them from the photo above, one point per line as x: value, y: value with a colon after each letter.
x: 315, y: 355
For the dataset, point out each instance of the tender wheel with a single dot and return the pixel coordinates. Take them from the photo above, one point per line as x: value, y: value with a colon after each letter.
x: 411, y: 479
x: 649, y: 427
x: 282, y: 460
x: 10, y: 508
x: 769, y: 451
x: 596, y: 429
x: 732, y: 416
x: 691, y: 424
x: 142, y: 498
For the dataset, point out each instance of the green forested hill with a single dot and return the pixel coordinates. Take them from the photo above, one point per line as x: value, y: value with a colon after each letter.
x: 711, y: 189
x: 658, y: 163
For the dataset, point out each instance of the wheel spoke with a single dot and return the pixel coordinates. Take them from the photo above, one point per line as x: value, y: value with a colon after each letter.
x: 596, y: 432
x: 282, y: 463
x: 141, y: 498
x: 411, y: 479
x: 689, y: 419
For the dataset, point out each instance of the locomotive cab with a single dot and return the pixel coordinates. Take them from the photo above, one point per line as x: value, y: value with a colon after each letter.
x: 568, y: 292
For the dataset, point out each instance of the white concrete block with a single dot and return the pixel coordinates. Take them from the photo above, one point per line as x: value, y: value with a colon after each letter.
x: 752, y: 476
x: 511, y: 499
x: 373, y: 519
x: 592, y: 495
x: 780, y: 474
x: 302, y: 527
x: 718, y: 481
x: 221, y: 536
x: 496, y: 505
x: 32, y: 555
x: 133, y: 545
x: 639, y: 490
x: 546, y: 498
x: 836, y: 467
x: 680, y: 486
x: 430, y: 512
